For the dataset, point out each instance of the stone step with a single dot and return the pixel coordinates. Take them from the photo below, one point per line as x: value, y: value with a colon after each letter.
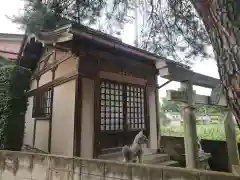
x: 111, y: 150
x: 157, y: 159
x: 147, y: 156
x: 111, y: 156
x: 151, y: 158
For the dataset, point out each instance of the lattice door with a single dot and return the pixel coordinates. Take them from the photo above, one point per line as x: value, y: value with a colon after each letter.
x: 135, y: 107
x: 121, y: 104
x: 112, y: 118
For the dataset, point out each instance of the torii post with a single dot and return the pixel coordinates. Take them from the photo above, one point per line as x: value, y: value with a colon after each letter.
x: 189, y: 98
x: 186, y: 95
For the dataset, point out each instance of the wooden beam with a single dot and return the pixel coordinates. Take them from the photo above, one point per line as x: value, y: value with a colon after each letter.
x: 50, y: 67
x: 51, y: 115
x: 114, y: 63
x: 128, y: 61
x: 181, y: 96
x: 97, y: 115
x: 78, y: 113
x: 175, y: 72
x: 55, y: 82
x: 164, y: 84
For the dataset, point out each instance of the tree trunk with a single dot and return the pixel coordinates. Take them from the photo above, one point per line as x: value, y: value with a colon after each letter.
x: 222, y: 22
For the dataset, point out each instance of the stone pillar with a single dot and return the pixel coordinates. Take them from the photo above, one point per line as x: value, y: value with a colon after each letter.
x: 190, y: 132
x: 152, y: 114
x: 230, y: 132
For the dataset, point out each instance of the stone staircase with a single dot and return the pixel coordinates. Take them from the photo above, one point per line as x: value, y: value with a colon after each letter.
x: 150, y: 157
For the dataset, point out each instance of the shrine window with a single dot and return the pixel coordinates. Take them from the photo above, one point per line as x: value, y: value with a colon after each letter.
x: 42, y: 104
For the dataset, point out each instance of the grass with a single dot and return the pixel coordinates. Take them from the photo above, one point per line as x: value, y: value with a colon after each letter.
x: 208, y: 131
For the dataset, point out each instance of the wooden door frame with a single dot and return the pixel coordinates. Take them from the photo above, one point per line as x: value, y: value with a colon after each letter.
x: 97, y: 119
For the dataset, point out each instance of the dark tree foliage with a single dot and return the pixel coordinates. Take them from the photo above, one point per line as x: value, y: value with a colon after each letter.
x: 14, y: 82
x: 44, y: 15
x: 172, y: 26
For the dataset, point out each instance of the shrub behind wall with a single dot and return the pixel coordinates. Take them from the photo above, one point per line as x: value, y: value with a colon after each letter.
x: 14, y: 82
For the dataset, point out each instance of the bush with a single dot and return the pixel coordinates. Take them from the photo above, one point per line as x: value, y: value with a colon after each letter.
x: 14, y: 82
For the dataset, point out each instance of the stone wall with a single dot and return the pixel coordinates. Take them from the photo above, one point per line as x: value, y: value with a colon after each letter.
x: 33, y: 166
x: 174, y: 147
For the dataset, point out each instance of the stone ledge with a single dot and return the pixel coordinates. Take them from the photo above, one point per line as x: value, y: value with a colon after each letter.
x: 28, y: 165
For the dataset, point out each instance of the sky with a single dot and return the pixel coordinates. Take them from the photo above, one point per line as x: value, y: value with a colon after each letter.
x: 207, y: 67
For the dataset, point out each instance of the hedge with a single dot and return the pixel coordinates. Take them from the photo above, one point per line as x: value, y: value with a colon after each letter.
x: 14, y: 82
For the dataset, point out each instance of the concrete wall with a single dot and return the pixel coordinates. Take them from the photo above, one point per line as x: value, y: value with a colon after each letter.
x: 87, y: 118
x: 30, y: 166
x: 63, y: 119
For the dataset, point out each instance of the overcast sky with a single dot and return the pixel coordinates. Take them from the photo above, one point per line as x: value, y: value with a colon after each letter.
x: 10, y: 7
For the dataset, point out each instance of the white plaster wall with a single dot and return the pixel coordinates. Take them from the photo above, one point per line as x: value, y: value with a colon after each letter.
x: 153, y: 117
x: 42, y: 133
x: 33, y: 84
x: 87, y: 118
x: 63, y: 119
x: 66, y: 67
x: 45, y: 78
x: 29, y: 124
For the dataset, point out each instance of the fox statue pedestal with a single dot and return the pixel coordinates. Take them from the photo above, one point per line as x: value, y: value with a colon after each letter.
x: 203, y: 157
x: 203, y: 160
x: 236, y: 170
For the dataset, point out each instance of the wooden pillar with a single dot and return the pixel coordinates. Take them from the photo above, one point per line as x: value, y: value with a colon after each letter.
x: 97, y: 114
x: 78, y: 111
x: 232, y: 147
x: 190, y: 132
x: 157, y: 117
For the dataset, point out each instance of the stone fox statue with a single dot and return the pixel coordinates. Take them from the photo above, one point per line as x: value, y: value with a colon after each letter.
x: 135, y: 151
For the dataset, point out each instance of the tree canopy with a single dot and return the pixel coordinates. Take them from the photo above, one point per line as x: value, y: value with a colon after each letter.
x: 170, y: 26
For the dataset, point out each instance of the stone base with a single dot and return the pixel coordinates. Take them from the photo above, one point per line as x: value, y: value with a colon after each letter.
x: 203, y: 160
x: 236, y: 170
